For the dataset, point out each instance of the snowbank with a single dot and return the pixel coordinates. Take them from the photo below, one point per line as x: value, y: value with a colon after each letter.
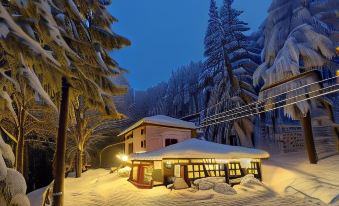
x: 292, y: 174
x: 124, y: 172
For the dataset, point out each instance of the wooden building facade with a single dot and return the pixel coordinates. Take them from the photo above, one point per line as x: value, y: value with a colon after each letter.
x: 190, y: 161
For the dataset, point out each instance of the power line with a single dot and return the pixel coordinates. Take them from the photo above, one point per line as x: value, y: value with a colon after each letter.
x: 263, y: 106
x: 262, y: 101
x: 271, y: 109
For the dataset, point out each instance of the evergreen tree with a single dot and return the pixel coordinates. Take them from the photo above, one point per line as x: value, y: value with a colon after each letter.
x: 65, y: 45
x: 213, y: 64
x: 299, y: 36
x: 235, y: 89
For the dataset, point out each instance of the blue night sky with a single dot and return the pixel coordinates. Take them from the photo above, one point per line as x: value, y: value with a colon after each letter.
x: 167, y: 34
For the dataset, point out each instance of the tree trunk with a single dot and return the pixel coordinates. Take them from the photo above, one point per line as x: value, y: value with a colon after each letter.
x: 229, y: 70
x: 58, y: 190
x: 19, y: 157
x: 78, y: 169
x: 308, y: 135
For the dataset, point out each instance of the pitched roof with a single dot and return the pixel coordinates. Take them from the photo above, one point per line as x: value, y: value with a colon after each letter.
x: 195, y: 148
x: 163, y: 121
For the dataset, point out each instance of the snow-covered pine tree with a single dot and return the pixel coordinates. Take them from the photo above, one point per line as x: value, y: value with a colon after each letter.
x: 236, y: 89
x: 23, y: 116
x: 213, y: 64
x: 299, y: 36
x: 72, y: 40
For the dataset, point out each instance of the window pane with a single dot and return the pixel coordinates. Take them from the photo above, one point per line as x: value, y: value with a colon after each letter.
x: 212, y: 174
x: 174, y: 141
x: 217, y: 173
x: 190, y: 175
x: 196, y: 174
x: 196, y: 167
x: 238, y: 172
x: 201, y: 168
x: 237, y: 166
x: 217, y: 167
x: 189, y: 167
x: 202, y: 174
x: 222, y: 173
x: 167, y: 142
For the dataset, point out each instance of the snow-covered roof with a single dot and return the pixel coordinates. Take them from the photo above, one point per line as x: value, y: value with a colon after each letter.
x: 195, y: 148
x: 163, y: 121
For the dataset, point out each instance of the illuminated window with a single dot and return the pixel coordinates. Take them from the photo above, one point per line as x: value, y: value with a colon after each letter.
x: 135, y: 173
x: 234, y: 169
x: 254, y: 168
x: 195, y: 171
x: 215, y: 170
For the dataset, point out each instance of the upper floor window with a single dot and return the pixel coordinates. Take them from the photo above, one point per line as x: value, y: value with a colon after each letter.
x: 170, y: 142
x: 142, y: 131
x: 143, y: 144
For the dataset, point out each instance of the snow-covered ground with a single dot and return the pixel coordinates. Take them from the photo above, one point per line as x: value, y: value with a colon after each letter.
x: 98, y: 187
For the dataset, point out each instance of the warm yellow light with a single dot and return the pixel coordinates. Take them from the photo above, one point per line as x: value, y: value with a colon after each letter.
x: 122, y: 157
x: 337, y: 73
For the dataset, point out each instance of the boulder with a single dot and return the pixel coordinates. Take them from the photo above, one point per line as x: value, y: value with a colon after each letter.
x: 224, y: 188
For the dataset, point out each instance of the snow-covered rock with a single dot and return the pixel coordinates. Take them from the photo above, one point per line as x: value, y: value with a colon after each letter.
x: 205, y: 185
x: 213, y: 180
x: 124, y: 172
x: 224, y: 188
x: 250, y: 180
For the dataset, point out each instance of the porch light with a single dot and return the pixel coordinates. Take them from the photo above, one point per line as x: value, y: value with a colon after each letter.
x: 122, y: 157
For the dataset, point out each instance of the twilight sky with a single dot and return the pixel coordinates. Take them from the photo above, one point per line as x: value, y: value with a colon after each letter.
x: 167, y: 34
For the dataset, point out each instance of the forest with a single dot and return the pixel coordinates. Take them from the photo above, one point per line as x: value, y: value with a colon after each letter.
x: 63, y: 97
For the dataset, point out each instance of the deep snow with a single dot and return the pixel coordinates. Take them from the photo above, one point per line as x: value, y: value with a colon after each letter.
x: 98, y: 187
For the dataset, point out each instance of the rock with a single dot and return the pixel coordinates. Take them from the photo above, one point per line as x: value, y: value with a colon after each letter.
x: 224, y: 188
x: 250, y: 180
x: 205, y: 185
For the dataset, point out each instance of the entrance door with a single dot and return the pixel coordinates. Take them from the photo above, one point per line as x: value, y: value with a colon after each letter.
x: 145, y: 174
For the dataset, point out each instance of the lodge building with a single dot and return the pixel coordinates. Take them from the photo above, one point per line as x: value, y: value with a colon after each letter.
x: 193, y: 159
x: 156, y: 132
